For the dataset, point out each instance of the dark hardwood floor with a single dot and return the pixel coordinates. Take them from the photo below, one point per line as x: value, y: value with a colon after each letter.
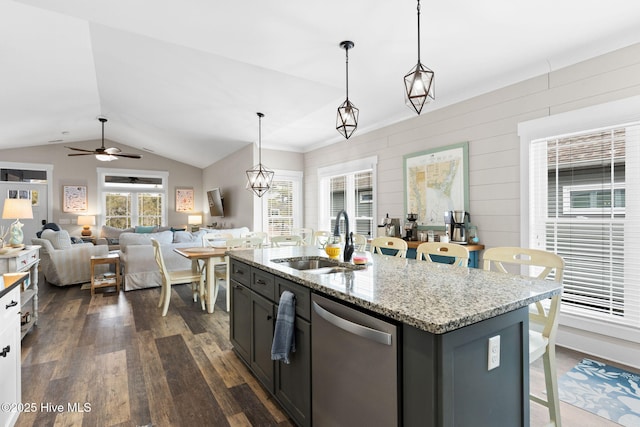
x: 132, y: 367
x: 121, y: 363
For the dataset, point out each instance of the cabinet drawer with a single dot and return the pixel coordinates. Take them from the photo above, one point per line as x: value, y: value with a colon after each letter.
x: 303, y: 296
x: 263, y: 283
x: 25, y: 259
x: 10, y: 306
x: 240, y: 272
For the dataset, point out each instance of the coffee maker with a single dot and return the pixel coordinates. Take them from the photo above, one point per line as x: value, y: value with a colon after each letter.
x: 411, y: 227
x: 458, y: 221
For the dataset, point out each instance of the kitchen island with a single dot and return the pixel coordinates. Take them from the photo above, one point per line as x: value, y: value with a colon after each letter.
x: 444, y: 315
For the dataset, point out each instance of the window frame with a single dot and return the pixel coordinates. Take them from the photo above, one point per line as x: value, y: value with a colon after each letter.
x: 296, y: 178
x: 103, y: 189
x: 350, y: 168
x: 613, y: 114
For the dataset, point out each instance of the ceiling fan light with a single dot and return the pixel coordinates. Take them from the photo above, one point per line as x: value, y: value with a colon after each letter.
x: 419, y: 87
x: 105, y: 157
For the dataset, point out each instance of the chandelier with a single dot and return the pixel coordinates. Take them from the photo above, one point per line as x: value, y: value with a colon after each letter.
x: 260, y: 177
x: 347, y: 119
x: 418, y: 83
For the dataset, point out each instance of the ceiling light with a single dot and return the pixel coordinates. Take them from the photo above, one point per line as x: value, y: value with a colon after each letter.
x: 418, y: 84
x: 347, y: 119
x: 260, y: 177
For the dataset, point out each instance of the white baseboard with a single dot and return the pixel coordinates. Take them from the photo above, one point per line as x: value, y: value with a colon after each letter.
x: 600, y: 346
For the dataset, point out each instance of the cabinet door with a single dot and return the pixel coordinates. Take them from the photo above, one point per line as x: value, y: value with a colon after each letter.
x: 10, y: 359
x: 262, y: 327
x: 240, y: 322
x: 293, y: 381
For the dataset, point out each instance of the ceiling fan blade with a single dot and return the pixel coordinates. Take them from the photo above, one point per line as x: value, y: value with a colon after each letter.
x: 79, y: 149
x: 131, y: 156
x: 81, y: 154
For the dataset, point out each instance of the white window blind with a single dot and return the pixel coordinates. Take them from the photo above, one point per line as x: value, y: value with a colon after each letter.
x: 585, y: 206
x: 280, y: 215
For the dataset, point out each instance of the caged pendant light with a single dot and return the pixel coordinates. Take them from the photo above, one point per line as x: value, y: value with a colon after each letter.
x: 347, y: 119
x: 418, y: 83
x: 260, y: 177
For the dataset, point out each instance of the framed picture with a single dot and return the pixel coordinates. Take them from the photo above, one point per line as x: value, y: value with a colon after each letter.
x: 74, y: 198
x: 34, y: 198
x: 12, y: 194
x: 184, y: 200
x: 24, y: 194
x: 436, y: 181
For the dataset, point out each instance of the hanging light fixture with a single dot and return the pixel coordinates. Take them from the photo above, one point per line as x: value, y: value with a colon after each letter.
x: 418, y: 84
x: 347, y: 120
x: 260, y: 177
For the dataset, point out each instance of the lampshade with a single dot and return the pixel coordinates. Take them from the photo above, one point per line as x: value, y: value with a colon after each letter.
x: 17, y: 209
x: 87, y: 220
x: 194, y: 219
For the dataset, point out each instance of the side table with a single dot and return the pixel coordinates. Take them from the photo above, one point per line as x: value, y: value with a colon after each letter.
x: 104, y: 280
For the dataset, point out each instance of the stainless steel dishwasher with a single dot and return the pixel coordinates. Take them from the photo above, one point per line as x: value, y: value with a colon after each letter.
x: 354, y: 367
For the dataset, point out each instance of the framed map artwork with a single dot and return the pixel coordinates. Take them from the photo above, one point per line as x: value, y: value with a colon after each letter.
x: 74, y: 198
x: 436, y: 181
x: 184, y: 200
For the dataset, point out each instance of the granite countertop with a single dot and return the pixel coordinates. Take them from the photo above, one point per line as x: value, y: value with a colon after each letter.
x: 433, y: 297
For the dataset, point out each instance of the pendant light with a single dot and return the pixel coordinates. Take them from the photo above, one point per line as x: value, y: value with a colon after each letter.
x: 418, y: 84
x: 260, y: 177
x: 347, y: 119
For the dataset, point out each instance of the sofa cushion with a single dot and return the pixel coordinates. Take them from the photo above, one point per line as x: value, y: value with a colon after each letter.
x: 59, y: 239
x: 146, y: 229
x: 113, y: 232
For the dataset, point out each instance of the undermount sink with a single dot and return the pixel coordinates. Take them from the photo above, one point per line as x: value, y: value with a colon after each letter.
x: 317, y: 264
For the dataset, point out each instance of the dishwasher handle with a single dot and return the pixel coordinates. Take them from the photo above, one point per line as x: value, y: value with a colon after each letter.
x: 353, y: 328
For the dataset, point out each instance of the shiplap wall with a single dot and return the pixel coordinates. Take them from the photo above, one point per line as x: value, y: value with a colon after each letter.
x: 489, y: 123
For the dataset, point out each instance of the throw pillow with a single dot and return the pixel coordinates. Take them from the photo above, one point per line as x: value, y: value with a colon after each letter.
x: 59, y: 239
x: 113, y: 232
x: 146, y: 229
x: 183, y: 237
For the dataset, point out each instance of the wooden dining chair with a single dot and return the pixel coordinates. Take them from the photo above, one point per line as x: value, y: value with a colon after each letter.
x: 169, y: 278
x: 261, y: 234
x: 543, y: 322
x: 395, y: 243
x: 305, y: 233
x: 287, y: 240
x: 359, y: 242
x: 321, y: 237
x: 459, y: 253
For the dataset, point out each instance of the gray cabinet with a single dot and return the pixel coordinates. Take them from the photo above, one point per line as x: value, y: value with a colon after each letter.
x: 10, y: 373
x: 254, y: 305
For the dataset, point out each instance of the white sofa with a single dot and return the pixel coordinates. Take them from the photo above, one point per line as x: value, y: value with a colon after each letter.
x: 136, y: 254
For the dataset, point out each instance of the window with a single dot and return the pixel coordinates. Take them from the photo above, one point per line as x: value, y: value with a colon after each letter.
x: 348, y: 186
x: 133, y: 198
x: 283, y: 207
x: 582, y: 205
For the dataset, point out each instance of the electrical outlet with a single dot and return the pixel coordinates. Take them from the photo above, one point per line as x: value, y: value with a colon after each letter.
x: 493, y: 353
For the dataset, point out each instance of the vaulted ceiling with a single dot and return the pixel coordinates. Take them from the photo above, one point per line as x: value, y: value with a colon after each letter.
x: 184, y: 79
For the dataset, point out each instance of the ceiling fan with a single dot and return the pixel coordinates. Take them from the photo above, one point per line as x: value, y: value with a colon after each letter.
x: 103, y: 154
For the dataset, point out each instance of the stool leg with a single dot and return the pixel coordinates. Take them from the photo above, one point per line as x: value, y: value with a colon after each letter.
x: 551, y: 382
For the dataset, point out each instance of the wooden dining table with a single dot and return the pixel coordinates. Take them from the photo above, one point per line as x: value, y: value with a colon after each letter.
x: 211, y: 256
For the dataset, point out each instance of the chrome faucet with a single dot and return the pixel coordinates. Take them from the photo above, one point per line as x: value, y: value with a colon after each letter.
x: 348, y: 237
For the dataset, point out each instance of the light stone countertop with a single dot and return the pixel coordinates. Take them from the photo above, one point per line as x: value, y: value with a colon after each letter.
x: 433, y: 297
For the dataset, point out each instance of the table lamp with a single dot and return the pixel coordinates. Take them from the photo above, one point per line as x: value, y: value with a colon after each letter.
x: 18, y: 209
x: 193, y: 221
x: 85, y: 221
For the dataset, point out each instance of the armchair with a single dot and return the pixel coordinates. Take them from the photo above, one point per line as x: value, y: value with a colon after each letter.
x: 69, y: 265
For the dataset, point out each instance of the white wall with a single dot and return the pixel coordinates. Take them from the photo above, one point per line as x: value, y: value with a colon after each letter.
x: 82, y: 171
x: 230, y: 175
x: 489, y: 123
